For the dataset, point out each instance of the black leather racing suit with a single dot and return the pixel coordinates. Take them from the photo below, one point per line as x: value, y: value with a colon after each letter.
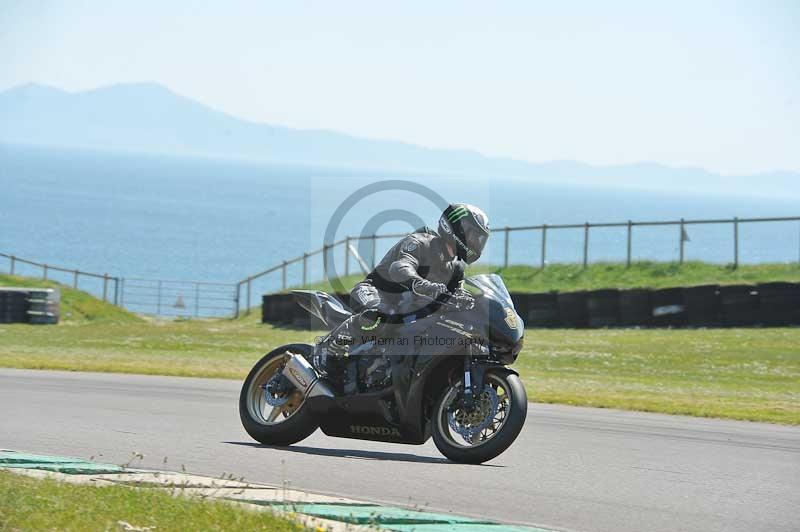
x: 419, y: 267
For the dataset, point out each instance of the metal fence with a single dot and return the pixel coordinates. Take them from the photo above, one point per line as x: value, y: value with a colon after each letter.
x: 297, y: 271
x: 109, y: 286
x: 160, y: 297
x: 206, y: 299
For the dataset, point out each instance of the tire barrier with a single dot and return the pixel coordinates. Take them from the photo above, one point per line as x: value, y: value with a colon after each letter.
x: 739, y: 304
x: 635, y: 307
x: 669, y: 307
x: 703, y: 306
x: 779, y: 303
x: 602, y: 308
x: 29, y: 305
x: 572, y: 309
x: 767, y: 304
x: 538, y: 310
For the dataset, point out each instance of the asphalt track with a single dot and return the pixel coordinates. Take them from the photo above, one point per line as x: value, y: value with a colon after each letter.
x: 571, y: 468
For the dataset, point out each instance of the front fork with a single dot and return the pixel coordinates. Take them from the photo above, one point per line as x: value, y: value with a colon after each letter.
x: 473, y: 381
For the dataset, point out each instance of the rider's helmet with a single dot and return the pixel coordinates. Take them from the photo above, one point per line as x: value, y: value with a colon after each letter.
x: 466, y: 227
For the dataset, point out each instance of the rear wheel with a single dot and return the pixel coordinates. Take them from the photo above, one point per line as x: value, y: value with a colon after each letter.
x: 482, y: 432
x: 271, y: 412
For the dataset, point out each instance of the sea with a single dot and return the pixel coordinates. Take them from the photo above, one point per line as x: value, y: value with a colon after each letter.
x: 160, y: 217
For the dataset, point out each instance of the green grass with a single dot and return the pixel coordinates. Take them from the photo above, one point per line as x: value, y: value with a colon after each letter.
x: 735, y: 373
x: 42, y: 504
x: 570, y: 277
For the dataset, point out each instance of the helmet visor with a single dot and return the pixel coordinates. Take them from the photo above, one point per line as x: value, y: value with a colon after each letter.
x: 476, y: 241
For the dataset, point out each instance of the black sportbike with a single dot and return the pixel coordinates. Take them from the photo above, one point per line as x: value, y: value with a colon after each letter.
x: 445, y: 375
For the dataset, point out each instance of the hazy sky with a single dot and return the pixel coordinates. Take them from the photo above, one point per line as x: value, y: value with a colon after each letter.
x: 713, y: 84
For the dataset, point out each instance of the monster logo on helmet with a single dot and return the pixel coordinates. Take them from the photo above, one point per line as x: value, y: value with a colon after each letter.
x: 466, y: 227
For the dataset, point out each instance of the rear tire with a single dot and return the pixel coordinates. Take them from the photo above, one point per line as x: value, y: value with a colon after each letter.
x: 514, y: 420
x: 299, y: 424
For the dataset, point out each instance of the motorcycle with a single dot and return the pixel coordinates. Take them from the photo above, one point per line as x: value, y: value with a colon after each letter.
x: 445, y: 376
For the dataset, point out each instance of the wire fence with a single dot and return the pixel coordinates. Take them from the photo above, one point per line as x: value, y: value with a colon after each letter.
x: 729, y: 239
x: 161, y: 297
x: 622, y: 236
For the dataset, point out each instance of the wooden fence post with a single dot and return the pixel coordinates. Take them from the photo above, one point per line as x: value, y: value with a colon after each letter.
x: 586, y: 245
x: 735, y: 242
x: 44, y: 272
x: 75, y: 279
x: 283, y: 276
x: 682, y: 240
x: 13, y: 264
x: 105, y: 287
x: 236, y: 299
x: 505, y: 252
x: 247, y: 310
x: 347, y: 256
x: 544, y: 245
x: 116, y: 291
x: 630, y: 238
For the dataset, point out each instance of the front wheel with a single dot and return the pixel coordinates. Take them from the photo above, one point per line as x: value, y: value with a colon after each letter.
x: 271, y: 412
x: 480, y: 433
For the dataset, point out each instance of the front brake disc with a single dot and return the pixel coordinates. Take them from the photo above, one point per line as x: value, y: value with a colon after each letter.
x: 469, y: 423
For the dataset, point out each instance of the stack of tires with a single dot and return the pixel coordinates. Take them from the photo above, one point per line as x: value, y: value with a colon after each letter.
x: 636, y: 307
x: 572, y: 309
x: 14, y: 305
x: 739, y: 305
x: 602, y: 307
x: 779, y: 303
x: 29, y: 305
x: 669, y: 307
x: 539, y: 310
x: 44, y: 305
x: 702, y: 306
x: 282, y: 309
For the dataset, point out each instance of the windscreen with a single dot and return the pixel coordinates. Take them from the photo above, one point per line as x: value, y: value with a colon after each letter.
x: 490, y: 285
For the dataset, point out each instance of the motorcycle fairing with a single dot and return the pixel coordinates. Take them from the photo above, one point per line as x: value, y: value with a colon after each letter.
x: 415, y: 371
x: 325, y: 307
x: 412, y: 369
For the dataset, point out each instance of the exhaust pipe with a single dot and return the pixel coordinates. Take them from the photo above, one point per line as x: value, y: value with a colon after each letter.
x: 304, y: 377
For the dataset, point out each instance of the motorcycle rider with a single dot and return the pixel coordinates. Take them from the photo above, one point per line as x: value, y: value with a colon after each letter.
x: 417, y: 275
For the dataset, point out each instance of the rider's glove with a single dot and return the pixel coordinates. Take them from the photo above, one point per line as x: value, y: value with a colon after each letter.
x: 462, y: 299
x: 423, y: 287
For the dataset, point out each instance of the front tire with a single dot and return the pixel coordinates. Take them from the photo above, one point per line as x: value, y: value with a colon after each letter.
x: 507, y: 419
x: 285, y: 424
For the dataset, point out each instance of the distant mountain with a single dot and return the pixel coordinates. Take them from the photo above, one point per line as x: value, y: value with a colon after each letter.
x: 150, y: 118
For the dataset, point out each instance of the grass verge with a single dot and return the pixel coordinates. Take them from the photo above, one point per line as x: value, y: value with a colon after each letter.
x: 42, y: 504
x: 751, y: 374
x: 736, y: 373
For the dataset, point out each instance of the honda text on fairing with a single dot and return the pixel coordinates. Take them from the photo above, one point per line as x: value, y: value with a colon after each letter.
x: 447, y: 377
